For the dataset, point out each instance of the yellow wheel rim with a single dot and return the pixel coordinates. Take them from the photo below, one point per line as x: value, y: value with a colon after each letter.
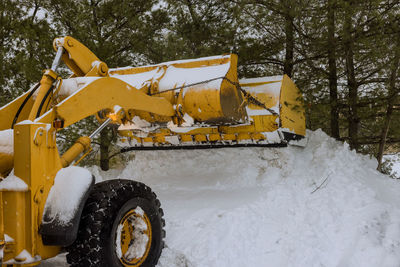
x: 133, y: 238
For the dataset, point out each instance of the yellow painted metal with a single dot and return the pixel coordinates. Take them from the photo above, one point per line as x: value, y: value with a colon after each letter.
x: 243, y: 136
x: 229, y: 137
x: 47, y: 81
x: 37, y: 162
x: 186, y: 138
x: 257, y: 136
x: 278, y: 93
x: 259, y: 124
x: 200, y: 138
x: 147, y: 140
x: 16, y: 215
x: 267, y: 99
x: 6, y: 164
x: 267, y: 123
x: 127, y: 237
x: 78, y: 57
x: 99, y: 69
x: 289, y: 99
x: 105, y: 93
x: 159, y: 139
x: 210, y: 105
x: 36, y: 157
x: 203, y: 102
x: 2, y: 236
x: 214, y: 137
x: 81, y: 145
x: 292, y: 107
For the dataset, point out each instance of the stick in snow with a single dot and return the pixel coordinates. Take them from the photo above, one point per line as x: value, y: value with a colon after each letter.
x: 318, y: 187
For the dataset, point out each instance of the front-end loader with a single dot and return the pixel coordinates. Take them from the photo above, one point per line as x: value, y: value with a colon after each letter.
x: 47, y: 203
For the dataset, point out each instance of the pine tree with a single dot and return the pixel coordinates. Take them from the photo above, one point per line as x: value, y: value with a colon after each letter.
x: 26, y: 40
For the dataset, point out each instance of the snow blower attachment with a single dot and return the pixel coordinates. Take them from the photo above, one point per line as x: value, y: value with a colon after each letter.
x: 46, y: 204
x: 212, y: 108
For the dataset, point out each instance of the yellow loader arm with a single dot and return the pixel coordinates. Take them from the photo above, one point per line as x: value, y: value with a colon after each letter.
x: 101, y: 94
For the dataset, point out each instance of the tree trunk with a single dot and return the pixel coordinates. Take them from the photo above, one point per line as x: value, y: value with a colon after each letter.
x: 289, y: 33
x: 333, y: 84
x: 353, y: 119
x: 104, y: 149
x: 392, y: 97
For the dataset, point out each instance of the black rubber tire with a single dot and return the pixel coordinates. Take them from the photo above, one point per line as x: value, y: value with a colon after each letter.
x: 107, y: 203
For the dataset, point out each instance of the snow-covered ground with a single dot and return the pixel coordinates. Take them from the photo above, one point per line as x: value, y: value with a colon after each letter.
x: 394, y: 160
x: 396, y: 166
x: 322, y: 205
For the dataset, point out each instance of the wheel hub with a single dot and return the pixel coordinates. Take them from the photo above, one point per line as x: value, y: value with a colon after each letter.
x: 133, y: 238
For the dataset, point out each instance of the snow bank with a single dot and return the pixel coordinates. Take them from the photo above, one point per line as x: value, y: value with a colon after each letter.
x: 65, y: 195
x: 322, y: 205
x: 7, y: 142
x: 394, y: 161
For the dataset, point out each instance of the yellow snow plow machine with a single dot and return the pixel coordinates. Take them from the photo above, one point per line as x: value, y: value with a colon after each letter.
x: 48, y: 204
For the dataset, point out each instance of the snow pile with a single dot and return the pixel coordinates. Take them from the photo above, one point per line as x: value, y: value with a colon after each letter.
x: 7, y: 142
x: 185, y: 127
x: 322, y: 205
x: 70, y: 185
x: 394, y: 162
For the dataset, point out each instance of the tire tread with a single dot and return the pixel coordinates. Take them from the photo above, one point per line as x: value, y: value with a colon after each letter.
x: 104, y: 201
